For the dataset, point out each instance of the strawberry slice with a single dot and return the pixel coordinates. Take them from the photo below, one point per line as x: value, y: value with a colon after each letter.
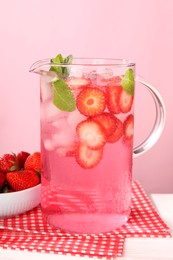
x: 117, y: 133
x: 91, y: 133
x: 125, y: 102
x: 77, y: 83
x: 91, y: 101
x: 113, y: 98
x: 128, y: 129
x: 88, y: 158
x: 108, y: 121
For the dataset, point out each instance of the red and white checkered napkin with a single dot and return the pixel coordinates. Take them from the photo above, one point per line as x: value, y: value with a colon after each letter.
x: 30, y: 232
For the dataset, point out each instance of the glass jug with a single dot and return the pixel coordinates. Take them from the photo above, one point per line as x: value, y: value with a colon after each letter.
x: 87, y: 132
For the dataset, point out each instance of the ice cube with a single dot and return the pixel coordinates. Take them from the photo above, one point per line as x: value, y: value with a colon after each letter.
x: 69, y: 151
x: 66, y: 137
x: 60, y: 123
x: 104, y: 76
x: 62, y: 151
x: 45, y: 88
x: 48, y: 111
x: 48, y: 144
x: 59, y: 138
x: 106, y: 73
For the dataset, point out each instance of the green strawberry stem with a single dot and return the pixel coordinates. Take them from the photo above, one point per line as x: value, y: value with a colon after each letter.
x: 38, y: 173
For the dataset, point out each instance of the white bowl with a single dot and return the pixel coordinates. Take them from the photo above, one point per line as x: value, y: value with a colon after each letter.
x: 14, y: 203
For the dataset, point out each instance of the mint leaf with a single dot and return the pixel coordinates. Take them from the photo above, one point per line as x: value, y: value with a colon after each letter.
x: 68, y: 59
x: 63, y: 72
x: 58, y: 59
x: 62, y: 96
x: 127, y: 82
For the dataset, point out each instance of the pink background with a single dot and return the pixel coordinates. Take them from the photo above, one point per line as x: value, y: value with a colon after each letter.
x: 141, y: 31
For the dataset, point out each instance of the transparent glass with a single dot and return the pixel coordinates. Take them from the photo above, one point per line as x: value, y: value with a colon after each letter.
x: 87, y: 152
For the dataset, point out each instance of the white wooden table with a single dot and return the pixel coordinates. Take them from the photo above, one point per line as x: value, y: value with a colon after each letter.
x: 134, y: 248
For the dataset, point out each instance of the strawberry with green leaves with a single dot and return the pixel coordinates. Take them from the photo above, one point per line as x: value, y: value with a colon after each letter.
x: 33, y: 162
x: 21, y: 180
x: 8, y: 162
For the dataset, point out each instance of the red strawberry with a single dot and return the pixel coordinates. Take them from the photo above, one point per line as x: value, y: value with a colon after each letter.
x: 21, y: 158
x: 33, y: 162
x: 88, y: 158
x: 108, y: 121
x: 128, y: 129
x: 21, y: 180
x: 91, y: 101
x: 117, y: 133
x: 77, y: 83
x: 125, y: 102
x: 8, y: 162
x: 2, y: 179
x: 91, y: 133
x: 113, y: 98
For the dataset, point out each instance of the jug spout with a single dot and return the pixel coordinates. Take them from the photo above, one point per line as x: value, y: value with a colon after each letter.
x: 36, y: 67
x: 41, y: 67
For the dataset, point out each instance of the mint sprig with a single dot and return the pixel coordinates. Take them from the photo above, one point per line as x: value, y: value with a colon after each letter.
x: 127, y: 82
x: 62, y: 96
x: 63, y: 72
x: 58, y: 59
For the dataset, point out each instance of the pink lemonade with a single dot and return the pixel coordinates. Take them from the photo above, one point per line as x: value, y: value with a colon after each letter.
x: 87, y: 155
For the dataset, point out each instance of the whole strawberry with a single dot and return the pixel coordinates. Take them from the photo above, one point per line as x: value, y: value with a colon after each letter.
x: 2, y: 179
x: 33, y: 162
x: 21, y: 158
x: 8, y: 162
x: 21, y: 180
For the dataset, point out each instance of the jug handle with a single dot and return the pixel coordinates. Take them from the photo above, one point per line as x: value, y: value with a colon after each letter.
x: 158, y: 124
